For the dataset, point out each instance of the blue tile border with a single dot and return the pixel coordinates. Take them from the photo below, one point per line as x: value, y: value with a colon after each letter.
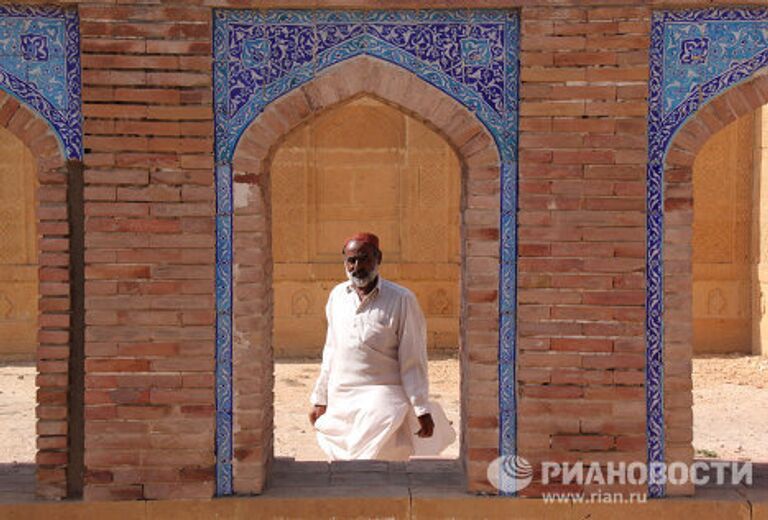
x: 695, y: 55
x: 40, y: 66
x: 259, y: 56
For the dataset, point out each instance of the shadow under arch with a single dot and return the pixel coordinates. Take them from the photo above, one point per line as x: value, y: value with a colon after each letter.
x: 482, y: 238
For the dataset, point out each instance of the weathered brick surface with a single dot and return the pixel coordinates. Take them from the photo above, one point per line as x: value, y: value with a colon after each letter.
x: 149, y: 205
x: 581, y: 257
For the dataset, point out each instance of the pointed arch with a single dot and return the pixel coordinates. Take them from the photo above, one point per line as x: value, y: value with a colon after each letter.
x: 687, y: 103
x: 480, y: 239
x: 54, y: 289
x: 677, y: 251
x: 674, y: 143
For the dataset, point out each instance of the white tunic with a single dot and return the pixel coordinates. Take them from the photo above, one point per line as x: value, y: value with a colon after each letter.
x: 374, y: 377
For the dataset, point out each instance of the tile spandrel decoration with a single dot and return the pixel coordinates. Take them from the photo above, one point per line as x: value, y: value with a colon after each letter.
x: 40, y: 65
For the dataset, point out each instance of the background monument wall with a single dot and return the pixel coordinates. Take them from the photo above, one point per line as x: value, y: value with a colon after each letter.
x: 760, y: 235
x: 18, y: 250
x: 722, y: 240
x: 363, y: 166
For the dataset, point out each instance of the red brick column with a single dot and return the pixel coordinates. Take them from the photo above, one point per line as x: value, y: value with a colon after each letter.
x: 149, y: 206
x: 582, y: 234
x: 54, y: 293
x: 480, y: 262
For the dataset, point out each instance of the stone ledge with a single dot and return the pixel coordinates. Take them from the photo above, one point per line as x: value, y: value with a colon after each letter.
x: 395, y: 502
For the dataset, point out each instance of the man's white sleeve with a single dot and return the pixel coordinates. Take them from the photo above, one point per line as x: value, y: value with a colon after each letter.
x: 320, y: 392
x: 412, y: 354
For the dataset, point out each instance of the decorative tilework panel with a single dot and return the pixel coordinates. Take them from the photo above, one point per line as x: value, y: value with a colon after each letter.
x: 262, y: 56
x: 471, y: 55
x: 695, y: 55
x: 40, y: 65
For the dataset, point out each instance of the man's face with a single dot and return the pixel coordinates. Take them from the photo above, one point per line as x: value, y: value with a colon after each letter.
x: 361, y: 261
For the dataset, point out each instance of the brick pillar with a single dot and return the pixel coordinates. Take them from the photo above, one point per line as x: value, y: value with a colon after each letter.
x: 149, y: 206
x: 584, y: 74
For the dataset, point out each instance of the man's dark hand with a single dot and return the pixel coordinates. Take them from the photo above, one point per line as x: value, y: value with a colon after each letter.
x: 427, y: 425
x: 316, y: 411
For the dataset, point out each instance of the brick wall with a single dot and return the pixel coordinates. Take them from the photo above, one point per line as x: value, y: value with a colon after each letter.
x: 149, y: 205
x: 582, y: 234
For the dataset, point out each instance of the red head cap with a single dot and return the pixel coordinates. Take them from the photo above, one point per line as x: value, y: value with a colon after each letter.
x: 365, y: 238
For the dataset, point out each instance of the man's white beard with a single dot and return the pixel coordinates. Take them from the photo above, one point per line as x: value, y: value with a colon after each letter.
x: 362, y: 282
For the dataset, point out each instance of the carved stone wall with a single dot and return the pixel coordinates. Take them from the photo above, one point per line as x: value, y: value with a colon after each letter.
x: 18, y: 249
x: 363, y: 166
x: 722, y: 265
x: 760, y: 235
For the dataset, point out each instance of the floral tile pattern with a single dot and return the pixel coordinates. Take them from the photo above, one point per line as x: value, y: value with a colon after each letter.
x: 695, y: 56
x: 40, y: 65
x: 471, y: 55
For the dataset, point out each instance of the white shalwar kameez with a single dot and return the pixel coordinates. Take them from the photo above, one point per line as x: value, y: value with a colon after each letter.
x: 374, y: 377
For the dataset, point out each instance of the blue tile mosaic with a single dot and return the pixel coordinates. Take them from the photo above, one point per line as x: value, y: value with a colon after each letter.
x: 223, y: 278
x: 40, y: 65
x: 34, y: 47
x: 224, y: 473
x: 508, y: 188
x: 223, y: 175
x: 507, y: 303
x: 471, y: 55
x: 259, y: 49
x: 476, y: 52
x: 695, y: 55
x: 507, y: 333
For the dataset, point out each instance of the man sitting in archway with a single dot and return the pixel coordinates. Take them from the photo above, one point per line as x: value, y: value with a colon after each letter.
x: 371, y: 398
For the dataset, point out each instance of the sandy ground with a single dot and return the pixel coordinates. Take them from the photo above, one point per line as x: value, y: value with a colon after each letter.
x: 17, y: 432
x: 730, y: 415
x: 17, y: 413
x: 730, y: 408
